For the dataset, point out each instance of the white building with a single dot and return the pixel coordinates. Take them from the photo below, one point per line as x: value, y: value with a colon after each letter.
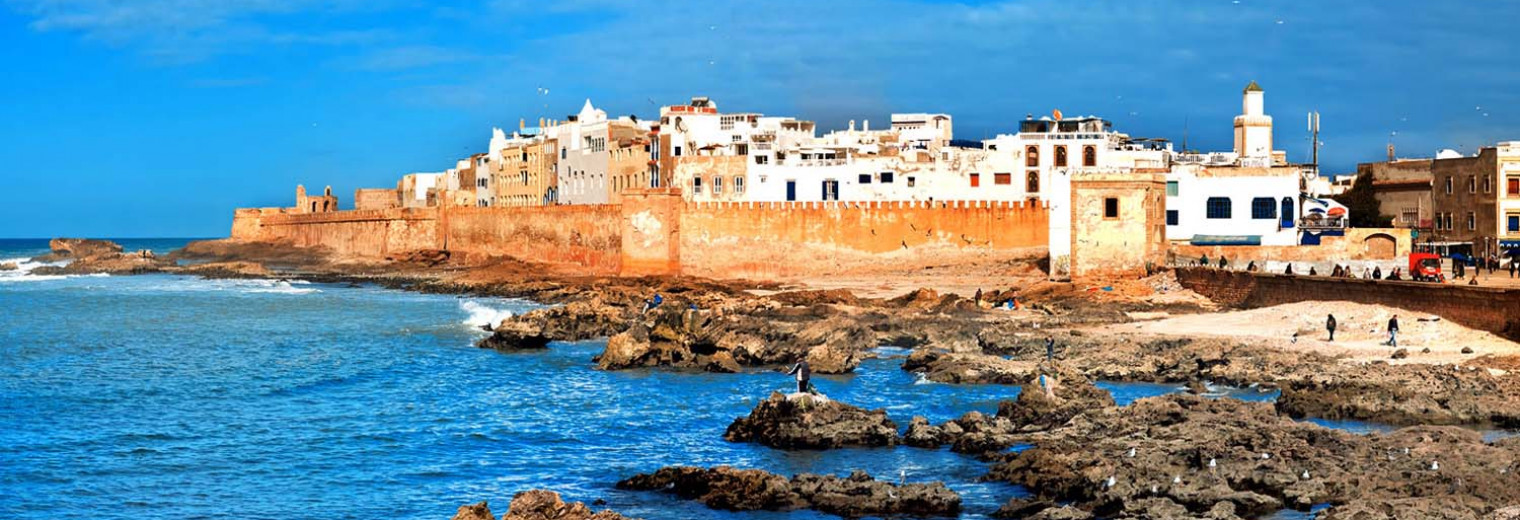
x: 1249, y: 196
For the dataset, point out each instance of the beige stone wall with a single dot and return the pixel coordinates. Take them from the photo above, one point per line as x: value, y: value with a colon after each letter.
x: 1123, y: 244
x: 376, y: 198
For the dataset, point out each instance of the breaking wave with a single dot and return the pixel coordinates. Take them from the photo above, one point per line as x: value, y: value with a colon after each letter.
x: 481, y: 315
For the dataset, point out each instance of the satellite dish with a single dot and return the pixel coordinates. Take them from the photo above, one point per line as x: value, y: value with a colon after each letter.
x: 1056, y: 113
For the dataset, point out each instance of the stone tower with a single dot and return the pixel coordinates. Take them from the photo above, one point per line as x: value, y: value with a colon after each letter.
x: 1253, y: 127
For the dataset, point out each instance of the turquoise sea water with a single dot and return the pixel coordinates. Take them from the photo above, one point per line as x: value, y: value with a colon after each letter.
x: 163, y: 396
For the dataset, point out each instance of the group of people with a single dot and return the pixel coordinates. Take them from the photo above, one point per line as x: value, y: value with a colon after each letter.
x: 1492, y: 263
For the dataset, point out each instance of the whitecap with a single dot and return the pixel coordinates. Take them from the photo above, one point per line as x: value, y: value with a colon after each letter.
x: 481, y: 315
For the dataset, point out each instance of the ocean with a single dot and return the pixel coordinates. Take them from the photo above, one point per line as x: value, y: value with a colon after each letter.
x: 162, y: 396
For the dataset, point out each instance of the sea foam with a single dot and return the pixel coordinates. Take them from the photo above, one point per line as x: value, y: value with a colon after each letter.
x: 481, y: 315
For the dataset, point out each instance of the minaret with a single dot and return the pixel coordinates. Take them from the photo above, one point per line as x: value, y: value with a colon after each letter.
x: 1253, y: 127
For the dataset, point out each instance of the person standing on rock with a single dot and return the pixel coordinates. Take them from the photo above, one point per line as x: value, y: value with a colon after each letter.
x: 1330, y: 326
x: 1393, y: 331
x: 803, y: 374
x: 1050, y: 349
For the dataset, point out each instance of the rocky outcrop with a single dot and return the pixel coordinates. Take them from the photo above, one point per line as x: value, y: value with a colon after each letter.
x: 480, y: 511
x: 743, y: 333
x: 77, y: 248
x: 1405, y: 394
x: 1070, y: 393
x: 803, y: 421
x: 89, y: 256
x: 9, y: 266
x: 575, y: 321
x: 546, y: 505
x: 969, y: 368
x: 1185, y: 454
x: 855, y: 496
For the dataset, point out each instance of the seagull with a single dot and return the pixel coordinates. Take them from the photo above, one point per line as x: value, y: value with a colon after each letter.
x: 1306, y: 475
x: 1177, y: 479
x: 1435, y: 465
x: 902, y: 477
x: 1406, y: 451
x: 1132, y: 453
x: 1111, y: 482
x: 1265, y: 456
x: 1153, y: 489
x: 1213, y: 464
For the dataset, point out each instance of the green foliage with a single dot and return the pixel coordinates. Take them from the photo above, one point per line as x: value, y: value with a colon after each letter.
x: 1363, y: 205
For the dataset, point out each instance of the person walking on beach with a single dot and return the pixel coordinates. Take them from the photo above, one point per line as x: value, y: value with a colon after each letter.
x: 803, y: 374
x: 1330, y: 326
x: 1393, y: 331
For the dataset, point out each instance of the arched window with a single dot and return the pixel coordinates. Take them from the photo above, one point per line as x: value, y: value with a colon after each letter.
x: 1032, y: 156
x: 1287, y: 212
x: 1263, y: 208
x: 1060, y: 156
x: 1032, y: 182
x: 1217, y: 207
x: 1089, y: 155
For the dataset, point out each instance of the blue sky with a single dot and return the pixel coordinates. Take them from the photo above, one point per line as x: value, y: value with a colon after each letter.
x: 157, y: 117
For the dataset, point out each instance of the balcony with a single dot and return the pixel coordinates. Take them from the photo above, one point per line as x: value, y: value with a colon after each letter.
x: 1311, y: 223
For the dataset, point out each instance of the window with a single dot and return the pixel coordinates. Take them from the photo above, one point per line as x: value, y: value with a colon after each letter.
x: 762, y: 159
x: 1472, y: 184
x: 1287, y: 212
x: 524, y: 175
x: 912, y: 181
x: 675, y: 152
x: 1472, y: 221
x: 1002, y: 178
x: 1060, y: 156
x: 738, y: 184
x: 1171, y: 217
x: 1171, y: 188
x: 1032, y: 156
x: 696, y: 185
x: 1217, y: 207
x: 1448, y: 185
x: 1110, y: 204
x: 562, y: 152
x: 885, y: 177
x: 1514, y: 187
x: 1488, y: 184
x: 976, y: 180
x: 717, y: 185
x: 831, y: 190
x: 1263, y: 208
x: 1032, y: 182
x: 1089, y: 155
x: 1514, y: 223
x: 865, y: 178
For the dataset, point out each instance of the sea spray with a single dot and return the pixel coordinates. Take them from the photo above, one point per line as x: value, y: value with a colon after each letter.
x: 481, y: 315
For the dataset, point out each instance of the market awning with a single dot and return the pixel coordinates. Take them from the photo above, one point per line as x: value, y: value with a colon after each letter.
x: 1226, y: 240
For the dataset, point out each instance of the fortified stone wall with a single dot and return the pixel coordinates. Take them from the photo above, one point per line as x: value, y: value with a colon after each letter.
x: 654, y: 232
x: 783, y: 239
x: 589, y: 236
x: 1486, y: 308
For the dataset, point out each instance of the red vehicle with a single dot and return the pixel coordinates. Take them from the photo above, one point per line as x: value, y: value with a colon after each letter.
x: 1425, y: 267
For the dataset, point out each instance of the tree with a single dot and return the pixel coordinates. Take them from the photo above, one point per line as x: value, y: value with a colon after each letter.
x: 1363, y: 205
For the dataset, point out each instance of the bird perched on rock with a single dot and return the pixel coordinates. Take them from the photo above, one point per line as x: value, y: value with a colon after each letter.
x: 1265, y: 456
x: 1177, y: 479
x: 1132, y: 453
x: 902, y: 477
x: 1305, y: 476
x: 1110, y: 483
x: 1435, y: 465
x: 1213, y: 464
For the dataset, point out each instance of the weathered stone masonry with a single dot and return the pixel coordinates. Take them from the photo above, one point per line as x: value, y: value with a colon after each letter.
x: 653, y: 231
x: 1487, y: 308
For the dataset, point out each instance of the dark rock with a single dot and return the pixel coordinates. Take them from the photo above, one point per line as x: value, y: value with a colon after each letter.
x: 855, y: 496
x: 481, y: 511
x: 1400, y: 354
x: 539, y: 504
x: 1467, y: 350
x: 1072, y: 393
x: 811, y: 422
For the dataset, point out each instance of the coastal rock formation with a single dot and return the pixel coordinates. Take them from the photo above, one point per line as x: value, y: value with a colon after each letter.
x: 76, y: 248
x: 958, y: 368
x: 537, y: 504
x: 1071, y: 393
x: 743, y: 333
x: 88, y: 256
x: 1406, y: 394
x: 855, y: 496
x: 9, y: 266
x: 804, y: 421
x: 1189, y: 455
x: 571, y: 322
